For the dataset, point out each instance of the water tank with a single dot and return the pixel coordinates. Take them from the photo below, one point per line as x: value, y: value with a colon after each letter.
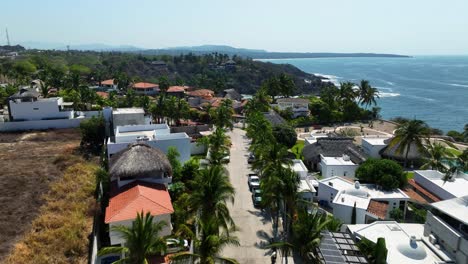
x: 432, y: 239
x: 346, y: 157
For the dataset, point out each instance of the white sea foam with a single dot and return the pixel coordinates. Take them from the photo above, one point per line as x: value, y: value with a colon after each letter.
x: 390, y: 83
x: 333, y: 79
x: 458, y: 85
x: 385, y: 94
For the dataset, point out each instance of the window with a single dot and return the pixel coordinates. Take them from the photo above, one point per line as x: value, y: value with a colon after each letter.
x: 344, y: 173
x: 35, y: 108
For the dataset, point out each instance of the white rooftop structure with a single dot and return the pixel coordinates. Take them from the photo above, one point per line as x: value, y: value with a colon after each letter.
x: 299, y: 167
x: 372, y: 202
x: 345, y: 160
x: 373, y: 145
x: 155, y: 135
x: 432, y: 181
x: 313, y: 138
x: 405, y: 242
x: 456, y: 208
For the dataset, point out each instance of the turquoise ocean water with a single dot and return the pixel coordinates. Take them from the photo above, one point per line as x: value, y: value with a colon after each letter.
x: 430, y: 88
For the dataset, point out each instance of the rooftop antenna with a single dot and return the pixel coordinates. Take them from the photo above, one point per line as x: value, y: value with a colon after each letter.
x: 7, y: 37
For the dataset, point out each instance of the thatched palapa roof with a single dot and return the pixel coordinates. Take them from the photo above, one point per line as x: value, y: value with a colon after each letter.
x: 391, y: 152
x: 333, y: 147
x: 139, y: 160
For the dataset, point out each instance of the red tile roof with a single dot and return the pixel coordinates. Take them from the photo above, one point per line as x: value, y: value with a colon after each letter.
x: 378, y: 208
x: 152, y: 198
x: 103, y: 94
x: 176, y: 89
x: 108, y: 82
x: 145, y: 85
x: 419, y: 193
x: 205, y: 93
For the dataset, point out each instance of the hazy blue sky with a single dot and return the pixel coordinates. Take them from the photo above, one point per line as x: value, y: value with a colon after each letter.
x: 393, y: 26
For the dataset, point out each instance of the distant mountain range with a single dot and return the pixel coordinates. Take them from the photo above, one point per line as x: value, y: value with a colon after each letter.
x: 203, y: 49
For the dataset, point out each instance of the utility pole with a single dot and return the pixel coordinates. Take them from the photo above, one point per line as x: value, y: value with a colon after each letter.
x: 7, y: 37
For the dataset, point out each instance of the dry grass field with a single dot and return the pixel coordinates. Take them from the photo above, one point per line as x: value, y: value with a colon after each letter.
x: 32, y: 166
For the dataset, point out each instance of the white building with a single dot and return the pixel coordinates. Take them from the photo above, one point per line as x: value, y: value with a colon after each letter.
x: 337, y: 166
x: 405, y: 242
x: 447, y: 226
x: 307, y: 183
x: 128, y: 116
x: 144, y: 88
x: 299, y: 106
x: 432, y: 181
x: 26, y: 105
x: 372, y: 203
x: 313, y: 138
x: 373, y: 145
x: 156, y: 135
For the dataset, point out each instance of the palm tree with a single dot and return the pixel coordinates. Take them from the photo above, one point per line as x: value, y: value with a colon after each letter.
x: 456, y: 166
x: 209, y: 200
x: 367, y: 93
x: 408, y: 133
x: 209, y: 246
x: 273, y: 243
x: 346, y: 93
x: 223, y: 115
x: 141, y: 240
x: 307, y: 232
x: 289, y: 192
x: 437, y: 154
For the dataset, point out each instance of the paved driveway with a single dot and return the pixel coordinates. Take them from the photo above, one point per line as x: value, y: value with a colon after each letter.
x: 247, y: 218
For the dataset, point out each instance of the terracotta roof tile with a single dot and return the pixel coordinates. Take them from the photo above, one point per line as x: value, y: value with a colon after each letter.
x: 205, y: 93
x: 103, y: 94
x: 176, y: 89
x: 108, y: 82
x: 152, y: 198
x: 378, y: 208
x: 419, y: 193
x: 145, y: 85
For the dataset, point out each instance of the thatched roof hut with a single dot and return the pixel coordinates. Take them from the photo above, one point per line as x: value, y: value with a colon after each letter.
x: 332, y: 147
x: 414, y: 153
x: 139, y: 160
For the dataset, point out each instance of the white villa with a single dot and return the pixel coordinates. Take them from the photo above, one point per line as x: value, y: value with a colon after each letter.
x: 405, y: 243
x: 299, y: 106
x: 432, y: 181
x: 372, y: 203
x: 128, y: 116
x: 373, y: 145
x: 337, y: 166
x: 144, y: 88
x: 27, y: 105
x: 139, y: 178
x: 156, y: 135
x: 447, y: 226
x: 307, y: 183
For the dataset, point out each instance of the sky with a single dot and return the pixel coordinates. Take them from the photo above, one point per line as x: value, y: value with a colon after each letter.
x: 413, y: 27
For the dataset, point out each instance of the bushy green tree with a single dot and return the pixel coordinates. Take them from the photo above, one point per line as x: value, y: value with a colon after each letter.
x: 383, y: 172
x: 173, y: 157
x: 285, y: 135
x: 93, y: 133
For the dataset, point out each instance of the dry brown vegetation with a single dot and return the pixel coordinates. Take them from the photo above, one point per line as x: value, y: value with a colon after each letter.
x: 46, y: 195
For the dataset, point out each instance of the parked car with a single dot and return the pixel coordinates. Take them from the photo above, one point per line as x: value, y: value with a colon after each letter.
x: 257, y: 197
x: 174, y: 245
x: 251, y: 158
x: 254, y: 182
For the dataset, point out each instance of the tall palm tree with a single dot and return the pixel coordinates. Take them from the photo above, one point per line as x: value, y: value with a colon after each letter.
x: 346, y: 93
x: 408, y: 133
x: 223, y: 115
x: 289, y: 192
x: 209, y: 199
x: 437, y: 154
x: 209, y: 246
x: 141, y: 240
x: 307, y: 232
x: 367, y: 93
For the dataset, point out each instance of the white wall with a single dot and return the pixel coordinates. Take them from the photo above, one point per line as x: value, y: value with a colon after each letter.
x: 432, y: 187
x: 326, y: 193
x: 38, y: 110
x: 372, y: 150
x: 115, y: 238
x: 329, y: 171
x: 122, y: 119
x: 40, y: 124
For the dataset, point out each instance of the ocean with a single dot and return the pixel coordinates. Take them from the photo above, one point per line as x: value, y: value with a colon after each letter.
x: 430, y: 88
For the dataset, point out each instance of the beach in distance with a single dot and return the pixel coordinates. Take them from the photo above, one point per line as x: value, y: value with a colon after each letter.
x: 430, y: 88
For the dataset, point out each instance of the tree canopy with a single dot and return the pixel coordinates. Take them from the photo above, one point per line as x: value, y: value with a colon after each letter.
x: 383, y: 172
